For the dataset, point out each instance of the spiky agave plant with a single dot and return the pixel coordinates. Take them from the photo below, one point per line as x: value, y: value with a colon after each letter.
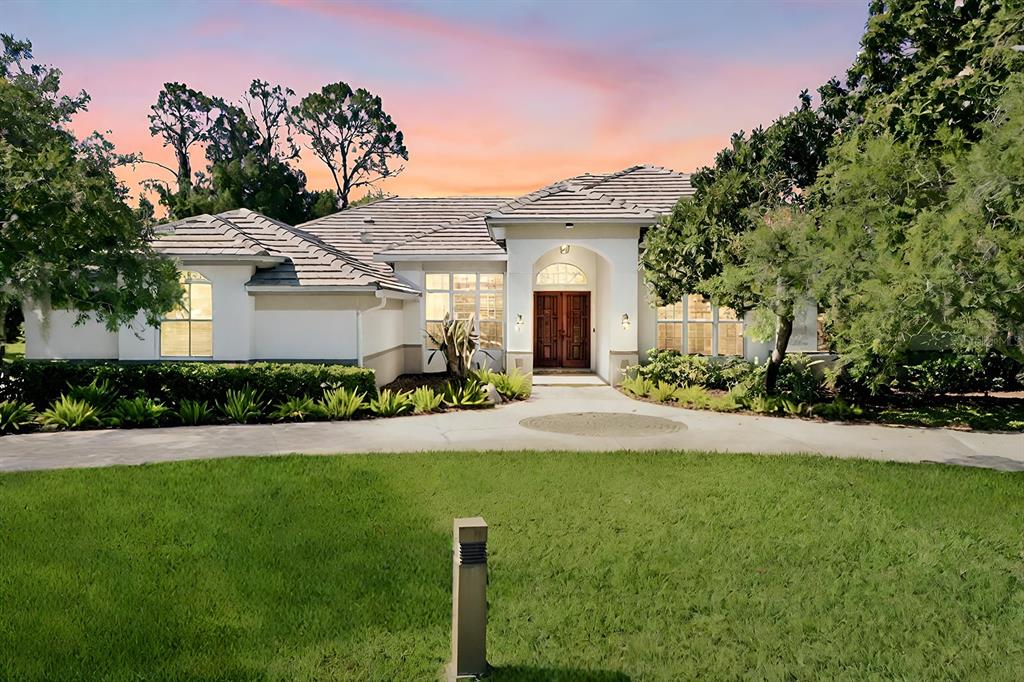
x: 457, y: 341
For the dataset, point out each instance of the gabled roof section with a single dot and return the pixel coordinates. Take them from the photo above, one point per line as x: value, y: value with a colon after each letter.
x: 636, y: 193
x: 571, y: 202
x: 370, y: 229
x: 466, y: 237
x: 206, y: 235
x: 654, y: 188
x: 300, y: 259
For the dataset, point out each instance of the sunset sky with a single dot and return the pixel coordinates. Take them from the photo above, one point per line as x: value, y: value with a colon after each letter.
x: 493, y: 97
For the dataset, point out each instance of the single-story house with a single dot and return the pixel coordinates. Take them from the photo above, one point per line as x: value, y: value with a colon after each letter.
x: 552, y: 278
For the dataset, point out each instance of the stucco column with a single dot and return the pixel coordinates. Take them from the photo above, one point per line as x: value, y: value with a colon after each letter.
x: 624, y: 296
x: 519, y: 285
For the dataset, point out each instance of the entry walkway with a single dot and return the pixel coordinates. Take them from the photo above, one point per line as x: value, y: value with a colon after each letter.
x: 500, y: 429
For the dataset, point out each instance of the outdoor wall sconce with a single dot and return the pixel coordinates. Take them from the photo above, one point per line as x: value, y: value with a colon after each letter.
x: 519, y: 322
x: 563, y: 249
x: 569, y: 226
x: 625, y: 321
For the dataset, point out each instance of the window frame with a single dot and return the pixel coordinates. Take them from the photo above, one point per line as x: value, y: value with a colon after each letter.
x: 713, y: 323
x: 188, y: 279
x: 568, y: 268
x: 477, y: 291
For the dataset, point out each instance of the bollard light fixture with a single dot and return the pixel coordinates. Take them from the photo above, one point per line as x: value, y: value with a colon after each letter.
x: 625, y: 321
x: 469, y: 599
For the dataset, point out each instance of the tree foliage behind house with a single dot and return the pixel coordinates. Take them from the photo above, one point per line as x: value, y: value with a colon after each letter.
x: 250, y: 149
x: 67, y: 237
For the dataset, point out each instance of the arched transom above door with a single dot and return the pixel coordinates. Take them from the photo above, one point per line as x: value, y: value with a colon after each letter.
x: 561, y: 274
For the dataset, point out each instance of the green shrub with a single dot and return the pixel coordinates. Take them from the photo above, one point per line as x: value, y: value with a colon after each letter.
x: 40, y: 382
x: 663, y: 392
x: 513, y: 385
x: 243, y: 405
x: 468, y: 393
x: 297, y: 410
x: 693, y: 396
x: 98, y: 393
x: 680, y: 369
x: 837, y: 410
x: 390, y: 403
x: 426, y: 400
x: 194, y: 412
x: 69, y: 413
x: 14, y: 416
x: 137, y: 412
x: 723, y: 403
x: 763, y: 404
x: 341, y: 403
x: 638, y: 385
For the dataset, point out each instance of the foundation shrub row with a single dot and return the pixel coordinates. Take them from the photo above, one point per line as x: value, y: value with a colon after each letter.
x: 81, y: 395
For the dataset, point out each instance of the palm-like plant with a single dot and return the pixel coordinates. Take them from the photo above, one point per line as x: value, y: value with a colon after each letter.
x: 457, y: 341
x: 242, y: 406
x: 390, y: 403
x: 341, y: 403
x: 15, y: 415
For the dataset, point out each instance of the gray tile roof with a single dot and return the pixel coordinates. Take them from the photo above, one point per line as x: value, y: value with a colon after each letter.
x: 349, y: 248
x: 638, y: 192
x: 466, y: 237
x: 206, y: 235
x: 304, y: 259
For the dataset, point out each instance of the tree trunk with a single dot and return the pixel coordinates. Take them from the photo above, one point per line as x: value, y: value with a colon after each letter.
x: 783, y: 330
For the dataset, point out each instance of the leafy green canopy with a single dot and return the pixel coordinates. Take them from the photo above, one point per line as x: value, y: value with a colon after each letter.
x: 918, y: 229
x: 67, y: 237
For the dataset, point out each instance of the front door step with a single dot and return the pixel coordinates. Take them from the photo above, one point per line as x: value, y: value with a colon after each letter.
x: 567, y: 379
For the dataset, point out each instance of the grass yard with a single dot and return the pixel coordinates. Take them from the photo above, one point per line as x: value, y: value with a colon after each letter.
x: 603, y: 567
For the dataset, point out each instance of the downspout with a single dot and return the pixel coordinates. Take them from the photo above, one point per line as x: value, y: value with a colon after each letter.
x: 383, y: 296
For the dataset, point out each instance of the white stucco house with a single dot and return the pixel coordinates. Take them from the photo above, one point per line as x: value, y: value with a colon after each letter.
x: 552, y: 277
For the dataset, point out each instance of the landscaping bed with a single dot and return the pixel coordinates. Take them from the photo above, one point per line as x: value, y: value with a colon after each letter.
x: 920, y: 395
x: 84, y: 395
x: 603, y: 566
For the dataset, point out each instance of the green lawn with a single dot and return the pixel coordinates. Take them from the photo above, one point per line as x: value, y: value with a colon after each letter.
x: 603, y: 567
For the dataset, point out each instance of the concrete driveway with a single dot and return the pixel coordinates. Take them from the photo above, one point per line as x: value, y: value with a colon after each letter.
x: 500, y: 429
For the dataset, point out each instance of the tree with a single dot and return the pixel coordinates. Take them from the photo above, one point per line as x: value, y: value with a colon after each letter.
x: 928, y: 77
x: 181, y: 116
x: 67, y: 238
x: 352, y: 134
x: 720, y: 241
x: 248, y: 149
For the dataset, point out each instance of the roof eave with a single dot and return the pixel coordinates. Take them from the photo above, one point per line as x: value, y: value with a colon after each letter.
x: 396, y: 258
x: 498, y: 220
x: 220, y: 259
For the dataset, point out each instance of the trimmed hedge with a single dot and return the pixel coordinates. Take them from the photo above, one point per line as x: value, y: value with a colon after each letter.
x: 40, y: 381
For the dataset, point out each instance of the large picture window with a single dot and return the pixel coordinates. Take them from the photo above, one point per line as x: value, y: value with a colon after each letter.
x: 696, y: 327
x: 187, y: 331
x: 464, y: 294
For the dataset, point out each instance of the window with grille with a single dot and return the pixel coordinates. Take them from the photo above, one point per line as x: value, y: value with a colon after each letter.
x: 463, y: 294
x: 697, y: 327
x: 187, y: 331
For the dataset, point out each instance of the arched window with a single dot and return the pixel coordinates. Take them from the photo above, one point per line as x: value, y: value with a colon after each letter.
x: 187, y: 331
x: 561, y: 273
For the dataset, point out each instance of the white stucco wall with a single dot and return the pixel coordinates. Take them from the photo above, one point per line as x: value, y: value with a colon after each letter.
x: 305, y: 326
x: 616, y: 255
x: 232, y: 318
x: 53, y: 335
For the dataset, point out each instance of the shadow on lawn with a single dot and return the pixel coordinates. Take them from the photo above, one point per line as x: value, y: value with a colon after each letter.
x: 517, y: 673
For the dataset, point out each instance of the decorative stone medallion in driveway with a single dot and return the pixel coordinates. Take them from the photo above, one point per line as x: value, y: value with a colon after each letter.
x: 502, y: 429
x: 602, y: 424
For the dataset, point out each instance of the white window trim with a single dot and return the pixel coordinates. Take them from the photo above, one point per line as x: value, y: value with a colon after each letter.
x: 213, y: 331
x: 477, y: 291
x: 714, y: 322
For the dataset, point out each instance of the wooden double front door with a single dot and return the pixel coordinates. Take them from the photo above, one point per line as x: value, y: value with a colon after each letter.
x: 561, y: 329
